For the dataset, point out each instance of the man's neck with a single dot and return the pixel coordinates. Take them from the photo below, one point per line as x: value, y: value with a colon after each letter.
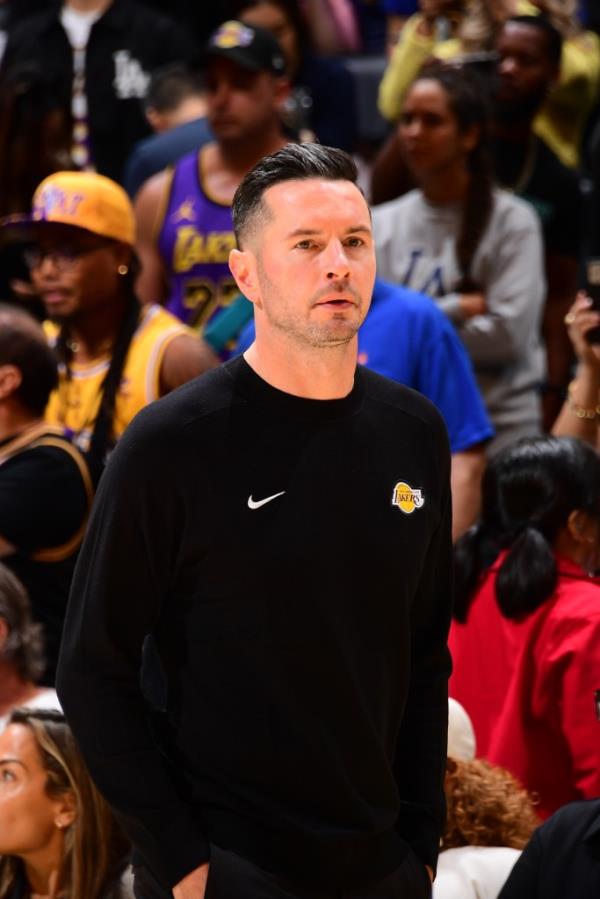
x: 188, y: 111
x: 318, y: 373
x: 13, y: 421
x: 242, y: 155
x: 88, y: 6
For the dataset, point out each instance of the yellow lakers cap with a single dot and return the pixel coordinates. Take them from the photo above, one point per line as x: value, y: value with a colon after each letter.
x: 82, y: 200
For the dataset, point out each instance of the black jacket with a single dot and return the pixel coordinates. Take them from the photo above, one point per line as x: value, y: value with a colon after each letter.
x: 562, y: 859
x: 126, y: 44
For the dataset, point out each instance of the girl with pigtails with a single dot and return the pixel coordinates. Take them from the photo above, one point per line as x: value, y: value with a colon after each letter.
x: 525, y: 640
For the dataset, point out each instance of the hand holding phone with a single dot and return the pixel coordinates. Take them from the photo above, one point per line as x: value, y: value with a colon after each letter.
x: 593, y: 291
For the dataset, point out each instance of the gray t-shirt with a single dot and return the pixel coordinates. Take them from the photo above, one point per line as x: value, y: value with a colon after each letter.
x: 415, y: 243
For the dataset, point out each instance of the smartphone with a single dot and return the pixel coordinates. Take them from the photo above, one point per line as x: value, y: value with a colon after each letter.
x: 593, y: 291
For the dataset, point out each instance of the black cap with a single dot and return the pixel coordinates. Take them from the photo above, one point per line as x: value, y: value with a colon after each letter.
x: 250, y: 47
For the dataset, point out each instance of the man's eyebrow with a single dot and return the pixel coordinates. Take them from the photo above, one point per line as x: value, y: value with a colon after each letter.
x: 312, y: 232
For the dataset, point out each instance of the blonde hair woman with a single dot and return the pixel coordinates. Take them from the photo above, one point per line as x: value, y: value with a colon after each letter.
x: 58, y: 837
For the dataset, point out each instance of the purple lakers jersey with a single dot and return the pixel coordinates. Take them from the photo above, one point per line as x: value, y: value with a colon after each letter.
x: 195, y: 237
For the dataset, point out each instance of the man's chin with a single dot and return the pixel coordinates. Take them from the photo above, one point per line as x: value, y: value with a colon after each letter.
x: 511, y: 109
x: 333, y: 336
x: 57, y: 314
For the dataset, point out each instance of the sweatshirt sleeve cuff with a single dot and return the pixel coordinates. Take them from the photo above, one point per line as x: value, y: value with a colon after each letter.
x: 170, y: 842
x: 412, y: 37
x: 450, y: 306
x: 422, y: 834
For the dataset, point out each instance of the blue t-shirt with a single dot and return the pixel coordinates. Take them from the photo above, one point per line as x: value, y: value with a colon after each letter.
x: 406, y: 338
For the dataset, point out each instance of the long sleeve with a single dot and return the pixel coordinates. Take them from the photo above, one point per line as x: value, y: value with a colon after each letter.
x: 514, y: 293
x: 562, y: 118
x: 119, y: 591
x: 412, y: 51
x: 568, y: 675
x: 421, y: 750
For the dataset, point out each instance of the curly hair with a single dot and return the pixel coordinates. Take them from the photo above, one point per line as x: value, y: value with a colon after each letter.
x: 487, y: 806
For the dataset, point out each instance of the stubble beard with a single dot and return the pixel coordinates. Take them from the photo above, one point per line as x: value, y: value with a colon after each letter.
x: 337, y: 331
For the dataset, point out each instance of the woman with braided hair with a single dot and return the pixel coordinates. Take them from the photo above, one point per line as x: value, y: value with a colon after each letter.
x: 475, y: 249
x: 526, y: 633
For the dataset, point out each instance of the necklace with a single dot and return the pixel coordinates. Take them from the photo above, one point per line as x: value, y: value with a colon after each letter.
x: 105, y: 348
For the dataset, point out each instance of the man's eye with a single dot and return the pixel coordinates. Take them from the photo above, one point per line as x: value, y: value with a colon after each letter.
x: 305, y: 244
x: 355, y: 242
x: 6, y: 775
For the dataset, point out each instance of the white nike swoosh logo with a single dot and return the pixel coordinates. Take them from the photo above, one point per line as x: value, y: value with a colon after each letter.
x: 256, y: 504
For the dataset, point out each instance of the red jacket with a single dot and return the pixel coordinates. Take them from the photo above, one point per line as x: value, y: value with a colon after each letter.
x: 529, y: 686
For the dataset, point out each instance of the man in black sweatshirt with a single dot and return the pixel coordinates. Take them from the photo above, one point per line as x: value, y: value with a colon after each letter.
x: 281, y: 527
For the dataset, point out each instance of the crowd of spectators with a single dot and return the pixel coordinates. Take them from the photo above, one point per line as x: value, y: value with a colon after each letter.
x: 126, y: 127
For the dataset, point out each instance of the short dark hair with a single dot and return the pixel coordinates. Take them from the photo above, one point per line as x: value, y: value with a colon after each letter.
x: 554, y: 39
x: 171, y: 85
x: 24, y: 647
x: 22, y: 344
x: 295, y: 162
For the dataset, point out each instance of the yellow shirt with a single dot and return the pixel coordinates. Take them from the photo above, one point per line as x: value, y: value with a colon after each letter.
x: 75, y: 404
x: 560, y: 122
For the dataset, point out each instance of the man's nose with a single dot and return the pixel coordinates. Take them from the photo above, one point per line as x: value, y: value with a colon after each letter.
x: 336, y: 261
x: 507, y: 66
x: 47, y: 263
x: 412, y: 128
x: 220, y: 93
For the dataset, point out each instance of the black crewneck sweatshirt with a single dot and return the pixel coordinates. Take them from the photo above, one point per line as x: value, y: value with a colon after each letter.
x: 292, y: 559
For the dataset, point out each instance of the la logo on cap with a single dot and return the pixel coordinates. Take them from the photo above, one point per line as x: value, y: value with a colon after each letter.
x: 232, y: 34
x: 53, y: 200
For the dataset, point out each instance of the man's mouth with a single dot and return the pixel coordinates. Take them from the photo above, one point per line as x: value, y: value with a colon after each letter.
x: 337, y: 302
x: 52, y: 297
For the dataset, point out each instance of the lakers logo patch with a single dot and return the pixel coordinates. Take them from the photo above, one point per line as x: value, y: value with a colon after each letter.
x: 407, y: 498
x: 232, y: 34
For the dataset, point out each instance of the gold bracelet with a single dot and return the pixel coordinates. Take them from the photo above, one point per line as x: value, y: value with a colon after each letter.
x: 587, y: 412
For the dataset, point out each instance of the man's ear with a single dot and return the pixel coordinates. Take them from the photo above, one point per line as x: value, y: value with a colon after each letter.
x: 155, y: 120
x: 4, y: 633
x: 10, y: 380
x: 281, y: 92
x: 242, y: 264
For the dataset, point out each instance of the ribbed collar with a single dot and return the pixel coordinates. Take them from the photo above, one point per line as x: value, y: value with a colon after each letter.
x: 253, y: 388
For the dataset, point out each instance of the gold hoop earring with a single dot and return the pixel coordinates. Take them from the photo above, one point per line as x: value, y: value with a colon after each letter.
x: 123, y: 269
